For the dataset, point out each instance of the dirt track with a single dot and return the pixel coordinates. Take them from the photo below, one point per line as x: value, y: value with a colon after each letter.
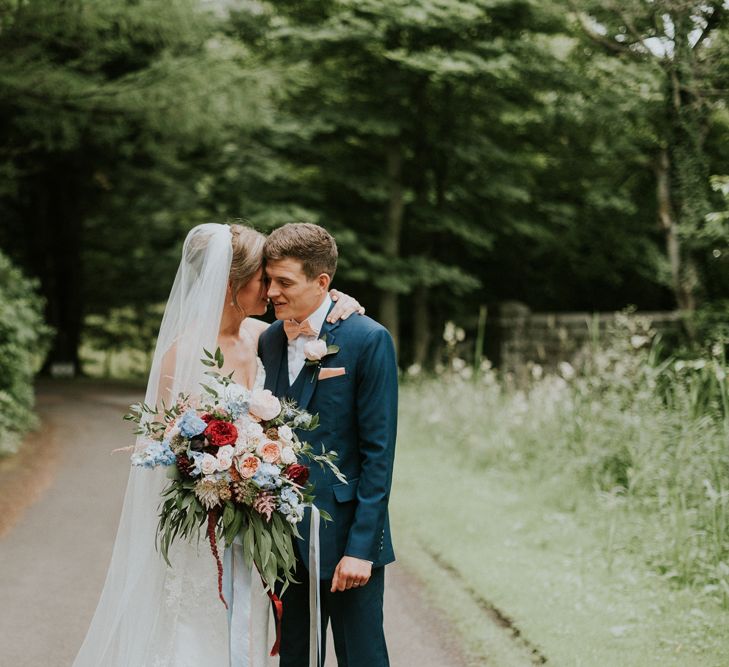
x: 58, y: 527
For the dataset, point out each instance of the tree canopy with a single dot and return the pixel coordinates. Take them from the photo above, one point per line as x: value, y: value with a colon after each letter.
x: 568, y: 154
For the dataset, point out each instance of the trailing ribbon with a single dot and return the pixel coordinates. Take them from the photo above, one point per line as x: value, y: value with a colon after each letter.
x: 314, y: 601
x: 278, y: 608
x: 248, y: 611
x: 248, y: 608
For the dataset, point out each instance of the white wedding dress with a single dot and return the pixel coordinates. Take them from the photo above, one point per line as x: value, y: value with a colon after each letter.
x: 151, y: 615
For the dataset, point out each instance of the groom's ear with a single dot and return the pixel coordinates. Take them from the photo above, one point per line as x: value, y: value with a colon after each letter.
x: 324, y: 280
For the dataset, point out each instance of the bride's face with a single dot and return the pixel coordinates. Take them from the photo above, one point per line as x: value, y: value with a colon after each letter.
x: 252, y: 296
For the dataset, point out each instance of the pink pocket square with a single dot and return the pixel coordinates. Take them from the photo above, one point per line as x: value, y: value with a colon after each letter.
x: 325, y: 373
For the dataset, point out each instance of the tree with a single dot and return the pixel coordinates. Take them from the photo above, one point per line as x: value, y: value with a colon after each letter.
x: 682, y: 45
x: 408, y: 128
x: 95, y: 99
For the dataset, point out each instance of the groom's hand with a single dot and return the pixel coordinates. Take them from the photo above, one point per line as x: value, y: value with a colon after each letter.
x: 351, y: 573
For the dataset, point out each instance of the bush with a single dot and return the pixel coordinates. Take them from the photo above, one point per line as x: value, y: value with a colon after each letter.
x: 24, y: 339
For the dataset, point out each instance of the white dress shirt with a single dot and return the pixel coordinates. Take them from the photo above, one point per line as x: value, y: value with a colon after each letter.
x: 296, y: 347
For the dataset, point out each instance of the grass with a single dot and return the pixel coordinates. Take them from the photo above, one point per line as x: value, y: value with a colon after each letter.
x: 547, y: 558
x: 589, y: 510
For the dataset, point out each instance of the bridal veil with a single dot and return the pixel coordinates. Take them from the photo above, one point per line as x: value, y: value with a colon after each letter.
x: 150, y: 615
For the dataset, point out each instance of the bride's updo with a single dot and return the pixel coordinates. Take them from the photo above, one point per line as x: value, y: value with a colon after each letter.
x: 247, y: 256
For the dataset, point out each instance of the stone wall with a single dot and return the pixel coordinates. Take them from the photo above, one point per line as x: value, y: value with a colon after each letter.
x: 519, y: 337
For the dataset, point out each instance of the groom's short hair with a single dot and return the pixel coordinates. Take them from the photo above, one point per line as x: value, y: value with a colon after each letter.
x: 311, y: 244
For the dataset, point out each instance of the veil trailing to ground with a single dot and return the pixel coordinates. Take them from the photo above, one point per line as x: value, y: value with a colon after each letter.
x: 150, y: 615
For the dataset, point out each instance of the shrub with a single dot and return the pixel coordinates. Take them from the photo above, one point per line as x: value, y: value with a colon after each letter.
x: 24, y: 339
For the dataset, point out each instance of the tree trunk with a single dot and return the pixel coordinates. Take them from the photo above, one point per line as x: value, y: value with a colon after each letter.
x: 57, y: 232
x: 681, y: 276
x: 391, y: 239
x: 421, y: 326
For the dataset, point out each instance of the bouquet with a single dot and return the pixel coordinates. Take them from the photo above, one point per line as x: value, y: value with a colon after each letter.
x: 235, y: 463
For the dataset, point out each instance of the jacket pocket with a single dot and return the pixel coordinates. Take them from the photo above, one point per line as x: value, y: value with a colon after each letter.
x: 346, y: 492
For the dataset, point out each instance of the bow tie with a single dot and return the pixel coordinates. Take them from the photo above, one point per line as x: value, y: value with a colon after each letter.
x: 293, y: 329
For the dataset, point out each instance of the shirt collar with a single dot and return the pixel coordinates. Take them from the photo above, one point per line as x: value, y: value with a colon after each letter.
x: 316, y: 319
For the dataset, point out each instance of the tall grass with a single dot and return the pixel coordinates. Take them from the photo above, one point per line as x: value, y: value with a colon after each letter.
x: 647, y: 434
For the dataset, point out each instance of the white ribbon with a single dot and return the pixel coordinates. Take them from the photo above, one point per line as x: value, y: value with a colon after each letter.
x: 248, y: 610
x: 314, y: 602
x: 249, y: 607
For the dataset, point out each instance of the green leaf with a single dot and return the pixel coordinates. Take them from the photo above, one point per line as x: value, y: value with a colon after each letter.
x: 210, y: 390
x: 265, y: 547
x: 228, y: 514
x: 249, y: 546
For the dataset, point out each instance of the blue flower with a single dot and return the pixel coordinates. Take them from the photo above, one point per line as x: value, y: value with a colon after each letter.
x: 197, y: 460
x: 191, y: 425
x: 267, y: 477
x: 156, y: 454
x: 237, y: 406
x: 288, y: 495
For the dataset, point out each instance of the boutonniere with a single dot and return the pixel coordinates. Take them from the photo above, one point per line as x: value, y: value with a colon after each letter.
x: 316, y: 350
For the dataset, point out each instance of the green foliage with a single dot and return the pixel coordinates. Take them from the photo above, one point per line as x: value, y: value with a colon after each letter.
x: 647, y: 435
x: 462, y: 152
x: 24, y: 339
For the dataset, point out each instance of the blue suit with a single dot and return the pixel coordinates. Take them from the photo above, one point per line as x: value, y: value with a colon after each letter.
x: 358, y: 419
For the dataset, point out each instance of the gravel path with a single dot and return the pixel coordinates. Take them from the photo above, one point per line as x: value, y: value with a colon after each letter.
x: 58, y: 529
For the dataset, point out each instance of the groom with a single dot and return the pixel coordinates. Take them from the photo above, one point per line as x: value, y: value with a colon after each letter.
x: 354, y: 392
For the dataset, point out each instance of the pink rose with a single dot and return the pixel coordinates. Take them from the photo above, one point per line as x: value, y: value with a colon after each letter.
x: 315, y: 350
x: 247, y: 465
x: 264, y: 405
x: 269, y: 451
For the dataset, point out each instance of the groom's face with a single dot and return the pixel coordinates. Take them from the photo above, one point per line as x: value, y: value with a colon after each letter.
x: 293, y: 295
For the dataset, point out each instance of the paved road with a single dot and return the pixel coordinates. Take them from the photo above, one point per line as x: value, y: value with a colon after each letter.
x: 57, y: 531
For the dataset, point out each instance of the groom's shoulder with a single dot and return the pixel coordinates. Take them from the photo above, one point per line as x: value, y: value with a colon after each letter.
x: 361, y: 328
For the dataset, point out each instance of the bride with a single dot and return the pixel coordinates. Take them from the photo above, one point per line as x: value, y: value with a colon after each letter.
x: 150, y: 615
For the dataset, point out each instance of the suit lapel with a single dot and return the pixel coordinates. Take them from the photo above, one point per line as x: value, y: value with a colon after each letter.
x: 311, y: 372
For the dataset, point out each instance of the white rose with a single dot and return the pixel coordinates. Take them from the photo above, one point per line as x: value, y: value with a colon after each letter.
x: 285, y: 434
x: 254, y: 431
x: 225, y: 457
x: 264, y: 405
x: 287, y: 456
x: 208, y: 464
x: 314, y: 350
x: 226, y: 451
x: 250, y: 433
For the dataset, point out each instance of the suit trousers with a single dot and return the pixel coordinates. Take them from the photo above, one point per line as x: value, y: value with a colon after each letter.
x: 356, y: 616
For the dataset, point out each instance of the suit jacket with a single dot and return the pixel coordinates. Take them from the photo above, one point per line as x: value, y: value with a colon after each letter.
x: 358, y: 420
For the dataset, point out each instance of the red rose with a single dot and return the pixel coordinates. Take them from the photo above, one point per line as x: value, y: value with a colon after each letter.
x: 297, y: 473
x: 207, y: 417
x: 220, y: 433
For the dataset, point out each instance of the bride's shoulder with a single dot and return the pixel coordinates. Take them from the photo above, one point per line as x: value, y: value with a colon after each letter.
x: 254, y: 328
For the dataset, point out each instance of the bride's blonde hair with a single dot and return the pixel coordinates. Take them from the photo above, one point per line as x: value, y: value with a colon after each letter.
x: 247, y: 257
